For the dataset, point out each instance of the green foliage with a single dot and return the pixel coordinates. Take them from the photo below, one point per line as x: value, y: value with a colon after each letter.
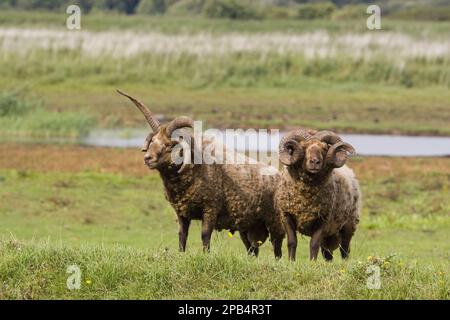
x: 380, y: 94
x: 230, y: 9
x: 40, y: 4
x: 124, y: 6
x: 424, y: 13
x: 152, y: 7
x: 278, y: 13
x: 22, y: 117
x: 350, y: 12
x: 187, y: 7
x: 11, y: 105
x: 315, y: 11
x: 437, y: 10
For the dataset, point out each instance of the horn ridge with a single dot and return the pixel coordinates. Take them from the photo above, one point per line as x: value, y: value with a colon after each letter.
x: 177, y: 123
x: 152, y: 121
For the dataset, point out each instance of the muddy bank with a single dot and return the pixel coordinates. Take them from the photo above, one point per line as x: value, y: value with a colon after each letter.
x: 73, y: 158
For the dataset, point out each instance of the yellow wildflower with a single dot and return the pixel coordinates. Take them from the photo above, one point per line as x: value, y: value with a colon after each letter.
x: 88, y: 281
x: 259, y: 242
x: 230, y: 235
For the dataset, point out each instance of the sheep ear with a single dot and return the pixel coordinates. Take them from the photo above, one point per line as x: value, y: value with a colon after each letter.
x: 337, y: 154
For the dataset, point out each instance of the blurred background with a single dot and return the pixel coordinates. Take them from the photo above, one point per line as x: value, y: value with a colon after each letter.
x: 71, y: 172
x: 263, y: 64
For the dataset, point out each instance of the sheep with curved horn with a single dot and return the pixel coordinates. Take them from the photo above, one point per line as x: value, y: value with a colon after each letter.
x: 317, y: 195
x: 222, y: 196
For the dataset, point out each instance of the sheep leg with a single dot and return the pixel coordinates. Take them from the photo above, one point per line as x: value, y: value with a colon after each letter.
x: 250, y: 249
x: 291, y: 232
x: 183, y: 231
x: 327, y: 254
x: 207, y: 229
x: 346, y: 235
x: 276, y: 237
x: 315, y: 244
x: 277, y: 244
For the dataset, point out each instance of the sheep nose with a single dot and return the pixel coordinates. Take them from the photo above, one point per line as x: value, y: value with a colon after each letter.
x: 314, y: 161
x: 147, y: 157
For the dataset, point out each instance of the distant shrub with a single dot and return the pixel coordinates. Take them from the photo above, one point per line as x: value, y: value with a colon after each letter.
x: 424, y: 13
x: 186, y: 7
x: 12, y: 105
x: 38, y: 4
x: 350, y: 12
x: 7, y: 4
x: 230, y: 9
x: 278, y: 12
x: 124, y: 6
x: 311, y: 11
x: 154, y: 6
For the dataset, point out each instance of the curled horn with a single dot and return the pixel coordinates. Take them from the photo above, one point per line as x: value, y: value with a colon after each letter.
x: 152, y: 121
x: 337, y: 154
x: 328, y: 137
x: 289, y: 150
x: 180, y: 122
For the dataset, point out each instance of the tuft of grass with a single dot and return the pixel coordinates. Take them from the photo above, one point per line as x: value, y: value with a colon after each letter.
x: 40, y: 271
x: 12, y: 106
x: 24, y: 117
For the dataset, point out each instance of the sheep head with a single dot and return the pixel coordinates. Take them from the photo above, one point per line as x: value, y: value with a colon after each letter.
x: 314, y: 151
x: 162, y: 146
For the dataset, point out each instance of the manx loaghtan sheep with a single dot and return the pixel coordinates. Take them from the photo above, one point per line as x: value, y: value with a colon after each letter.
x: 317, y: 195
x: 237, y: 197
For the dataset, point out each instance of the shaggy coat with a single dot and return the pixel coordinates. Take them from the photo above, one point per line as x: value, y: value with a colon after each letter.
x: 323, y: 204
x: 236, y: 197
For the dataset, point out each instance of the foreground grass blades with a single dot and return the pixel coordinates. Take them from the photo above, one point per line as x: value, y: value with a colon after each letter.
x: 39, y: 271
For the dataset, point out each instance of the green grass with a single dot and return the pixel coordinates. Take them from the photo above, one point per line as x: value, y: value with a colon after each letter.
x: 21, y: 116
x: 237, y: 90
x: 279, y: 93
x: 123, y: 234
x: 38, y: 271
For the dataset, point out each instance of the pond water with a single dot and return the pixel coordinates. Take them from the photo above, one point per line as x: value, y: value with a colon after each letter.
x: 365, y: 144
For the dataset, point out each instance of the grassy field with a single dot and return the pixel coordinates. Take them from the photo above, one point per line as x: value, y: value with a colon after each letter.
x: 101, y: 209
x: 265, y: 74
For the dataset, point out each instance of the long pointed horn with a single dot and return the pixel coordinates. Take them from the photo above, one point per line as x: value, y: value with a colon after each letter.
x: 152, y: 121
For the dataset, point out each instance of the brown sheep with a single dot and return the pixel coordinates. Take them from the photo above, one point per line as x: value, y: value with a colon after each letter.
x: 317, y: 195
x: 237, y: 197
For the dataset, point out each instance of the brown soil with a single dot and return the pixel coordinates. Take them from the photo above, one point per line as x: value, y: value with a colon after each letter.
x: 72, y: 158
